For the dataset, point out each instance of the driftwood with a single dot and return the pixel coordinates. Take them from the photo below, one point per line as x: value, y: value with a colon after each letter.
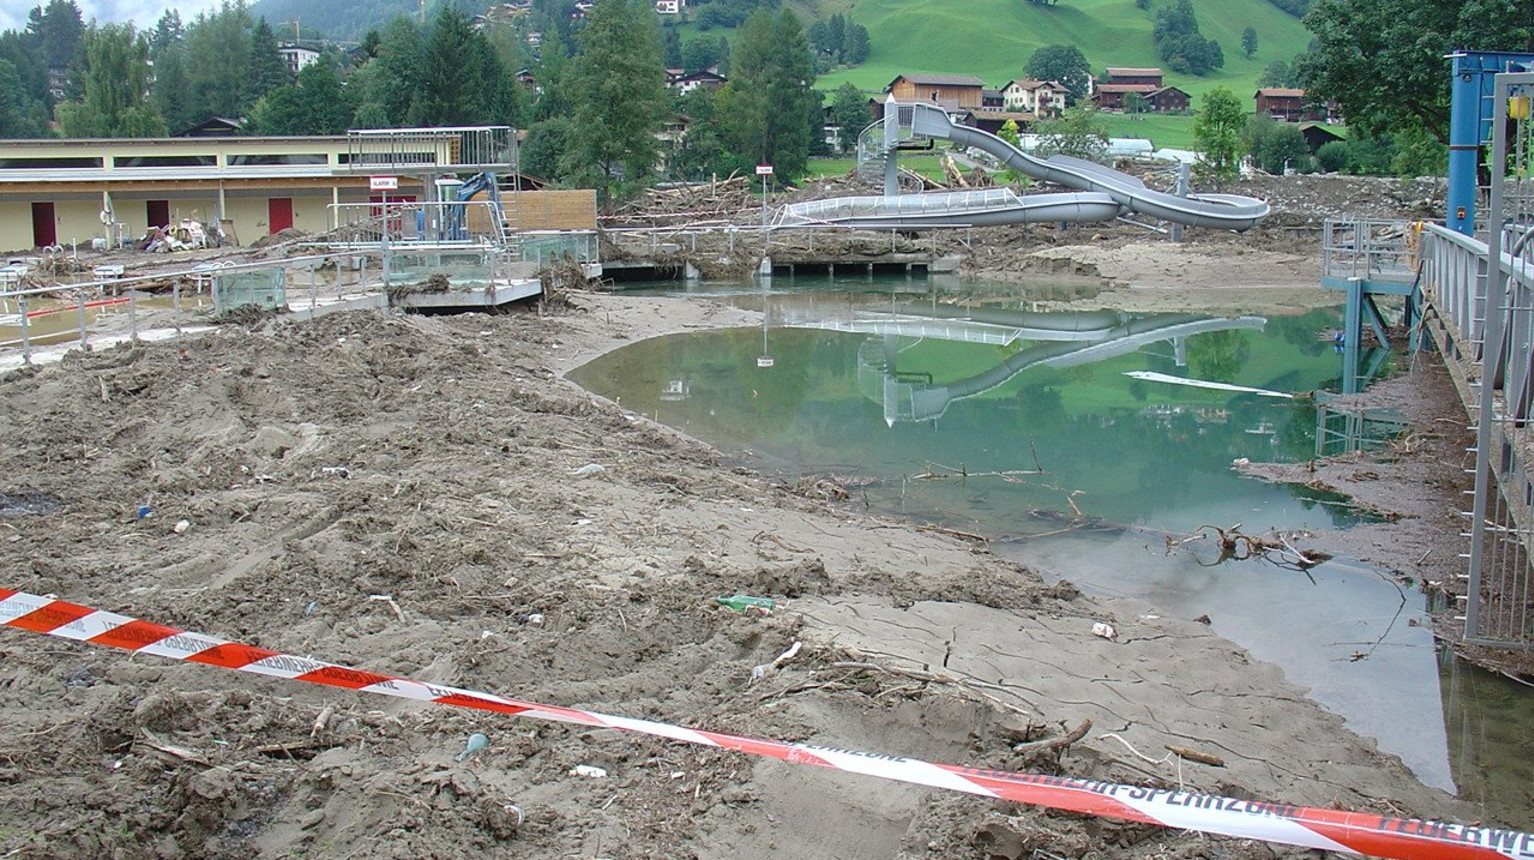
x: 687, y: 203
x: 1060, y: 742
x: 1235, y: 545
x: 1195, y: 755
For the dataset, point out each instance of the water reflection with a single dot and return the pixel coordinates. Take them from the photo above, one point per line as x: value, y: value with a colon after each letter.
x: 1055, y: 340
x: 966, y: 406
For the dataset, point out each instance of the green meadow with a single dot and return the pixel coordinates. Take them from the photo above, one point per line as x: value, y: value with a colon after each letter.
x: 992, y: 39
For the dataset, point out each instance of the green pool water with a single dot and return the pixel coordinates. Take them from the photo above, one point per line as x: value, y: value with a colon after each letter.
x: 970, y: 406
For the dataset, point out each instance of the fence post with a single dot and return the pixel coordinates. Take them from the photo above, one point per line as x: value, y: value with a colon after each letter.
x: 80, y: 312
x: 26, y: 339
x: 132, y: 315
x: 175, y: 301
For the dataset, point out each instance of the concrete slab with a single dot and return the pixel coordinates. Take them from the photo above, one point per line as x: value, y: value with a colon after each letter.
x: 491, y: 296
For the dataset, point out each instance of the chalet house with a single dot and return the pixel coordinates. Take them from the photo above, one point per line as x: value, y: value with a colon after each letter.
x: 1317, y: 136
x: 1169, y: 100
x: 670, y: 7
x: 993, y: 120
x: 1150, y: 78
x: 1043, y: 98
x: 992, y: 100
x: 685, y: 82
x: 1284, y: 105
x: 215, y: 126
x: 1111, y: 96
x: 1116, y: 84
x: 951, y: 92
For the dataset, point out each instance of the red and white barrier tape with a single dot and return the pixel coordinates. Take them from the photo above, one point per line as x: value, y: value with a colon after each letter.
x: 1308, y: 827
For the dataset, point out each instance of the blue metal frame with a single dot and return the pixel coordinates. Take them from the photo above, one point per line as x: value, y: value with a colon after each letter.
x: 1470, y: 116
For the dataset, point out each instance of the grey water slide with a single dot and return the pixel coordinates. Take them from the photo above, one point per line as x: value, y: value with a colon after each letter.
x: 1104, y: 193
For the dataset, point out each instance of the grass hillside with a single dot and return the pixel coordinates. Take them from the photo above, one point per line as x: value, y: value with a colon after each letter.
x: 992, y: 39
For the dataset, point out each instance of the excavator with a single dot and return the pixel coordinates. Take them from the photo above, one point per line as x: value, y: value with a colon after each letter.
x: 454, y: 217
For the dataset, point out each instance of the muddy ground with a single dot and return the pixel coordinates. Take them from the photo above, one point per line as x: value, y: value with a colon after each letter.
x: 299, y: 473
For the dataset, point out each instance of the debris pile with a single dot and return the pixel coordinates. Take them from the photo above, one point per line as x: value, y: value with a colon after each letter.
x: 688, y: 203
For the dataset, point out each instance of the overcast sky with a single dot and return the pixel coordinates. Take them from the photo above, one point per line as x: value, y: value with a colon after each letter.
x: 13, y: 13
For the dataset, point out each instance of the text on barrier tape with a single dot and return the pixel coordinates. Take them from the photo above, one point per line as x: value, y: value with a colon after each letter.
x: 1308, y: 827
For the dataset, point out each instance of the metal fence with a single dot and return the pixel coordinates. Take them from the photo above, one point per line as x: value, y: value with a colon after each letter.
x: 404, y: 221
x: 544, y: 247
x: 427, y: 150
x: 1483, y: 291
x: 1371, y: 250
x: 103, y: 312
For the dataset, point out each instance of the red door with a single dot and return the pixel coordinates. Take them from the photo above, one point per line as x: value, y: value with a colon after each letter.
x: 45, y: 230
x: 158, y: 212
x: 397, y: 204
x: 279, y: 214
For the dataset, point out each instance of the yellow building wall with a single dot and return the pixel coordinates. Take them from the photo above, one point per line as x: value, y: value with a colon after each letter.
x: 77, y: 220
x: 15, y: 226
x: 311, y: 214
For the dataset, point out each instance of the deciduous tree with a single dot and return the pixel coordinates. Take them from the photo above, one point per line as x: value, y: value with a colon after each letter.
x: 115, y: 80
x: 849, y: 110
x: 1382, y: 60
x: 1217, y: 135
x: 617, y: 82
x: 1079, y: 132
x: 1064, y: 64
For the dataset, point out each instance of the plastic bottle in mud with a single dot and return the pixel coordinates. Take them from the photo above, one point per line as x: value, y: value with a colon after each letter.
x: 747, y: 603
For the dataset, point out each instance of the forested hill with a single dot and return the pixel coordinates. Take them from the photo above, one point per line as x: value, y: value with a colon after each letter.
x: 343, y: 20
x: 988, y: 38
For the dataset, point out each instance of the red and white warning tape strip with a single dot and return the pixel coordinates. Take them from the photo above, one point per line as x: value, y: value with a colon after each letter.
x: 1309, y: 827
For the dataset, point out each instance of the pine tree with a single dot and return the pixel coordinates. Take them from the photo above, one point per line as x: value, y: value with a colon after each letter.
x: 57, y: 31
x: 617, y: 82
x: 766, y: 110
x: 395, y: 74
x: 458, y: 74
x: 217, y: 57
x: 267, y: 69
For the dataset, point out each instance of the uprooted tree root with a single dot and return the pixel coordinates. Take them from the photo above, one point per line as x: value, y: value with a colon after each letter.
x: 1235, y: 545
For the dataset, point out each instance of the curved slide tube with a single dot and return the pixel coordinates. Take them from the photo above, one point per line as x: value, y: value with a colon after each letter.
x: 983, y: 208
x: 1221, y: 211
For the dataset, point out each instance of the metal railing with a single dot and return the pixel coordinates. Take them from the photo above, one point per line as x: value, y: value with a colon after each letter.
x: 97, y: 313
x: 429, y: 150
x: 1483, y: 291
x: 1373, y: 250
x: 399, y: 221
x: 543, y: 247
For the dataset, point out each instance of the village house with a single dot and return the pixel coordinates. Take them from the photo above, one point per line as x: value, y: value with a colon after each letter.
x: 1169, y: 100
x: 1284, y: 105
x: 1111, y: 90
x: 297, y: 56
x: 1150, y: 78
x: 953, y: 93
x: 1317, y: 135
x: 685, y: 82
x: 670, y: 7
x: 992, y: 120
x: 1042, y: 98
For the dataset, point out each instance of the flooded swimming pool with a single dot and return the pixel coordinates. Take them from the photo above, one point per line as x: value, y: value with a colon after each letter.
x: 1080, y: 444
